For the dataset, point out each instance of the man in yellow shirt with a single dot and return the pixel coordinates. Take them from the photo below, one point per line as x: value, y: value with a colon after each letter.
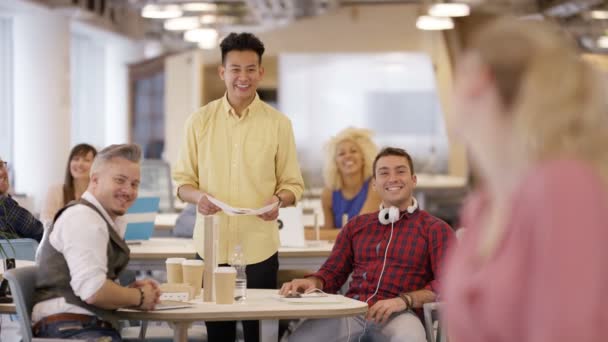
x: 241, y: 151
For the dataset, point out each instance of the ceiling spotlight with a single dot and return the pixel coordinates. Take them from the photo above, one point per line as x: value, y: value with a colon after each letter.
x: 599, y: 14
x: 207, y: 44
x: 426, y: 22
x: 161, y: 11
x: 205, y: 37
x: 207, y: 19
x: 449, y: 10
x: 199, y: 7
x: 602, y: 42
x: 181, y: 24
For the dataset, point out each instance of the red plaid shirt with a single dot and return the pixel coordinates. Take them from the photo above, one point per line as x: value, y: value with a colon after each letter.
x: 413, y: 261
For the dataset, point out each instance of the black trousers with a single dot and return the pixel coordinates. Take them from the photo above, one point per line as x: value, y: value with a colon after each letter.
x: 262, y: 275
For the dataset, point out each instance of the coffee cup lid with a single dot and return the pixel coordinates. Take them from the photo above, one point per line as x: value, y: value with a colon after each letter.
x: 175, y: 260
x: 193, y: 262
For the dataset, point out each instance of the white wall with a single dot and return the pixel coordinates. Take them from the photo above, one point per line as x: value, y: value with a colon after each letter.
x: 118, y: 52
x: 42, y: 119
x: 183, y: 89
x: 42, y: 100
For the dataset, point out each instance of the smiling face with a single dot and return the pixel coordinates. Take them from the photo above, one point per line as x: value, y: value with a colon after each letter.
x: 349, y: 158
x: 241, y: 72
x: 115, y: 185
x: 80, y: 165
x: 394, y: 181
x: 3, y: 178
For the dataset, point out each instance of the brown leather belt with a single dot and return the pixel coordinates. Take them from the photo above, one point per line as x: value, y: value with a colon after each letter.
x: 61, y: 317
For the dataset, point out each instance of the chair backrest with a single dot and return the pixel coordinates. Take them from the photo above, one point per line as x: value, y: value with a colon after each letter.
x: 22, y: 281
x: 432, y: 315
x: 156, y: 182
x: 20, y: 249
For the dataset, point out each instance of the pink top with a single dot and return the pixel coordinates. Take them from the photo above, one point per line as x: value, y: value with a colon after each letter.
x: 548, y: 279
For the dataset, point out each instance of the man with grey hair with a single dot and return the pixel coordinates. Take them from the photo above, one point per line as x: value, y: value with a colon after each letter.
x: 84, y: 251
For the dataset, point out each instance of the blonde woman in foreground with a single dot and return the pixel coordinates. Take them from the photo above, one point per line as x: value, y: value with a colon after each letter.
x: 533, y: 264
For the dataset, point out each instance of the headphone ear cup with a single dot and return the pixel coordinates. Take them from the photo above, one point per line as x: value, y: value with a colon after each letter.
x: 412, y: 207
x: 393, y: 214
x: 384, y: 216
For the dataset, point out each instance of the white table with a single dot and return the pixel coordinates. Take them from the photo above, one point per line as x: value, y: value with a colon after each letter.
x: 151, y: 254
x: 263, y: 305
x: 18, y: 263
x: 164, y: 223
x: 428, y: 184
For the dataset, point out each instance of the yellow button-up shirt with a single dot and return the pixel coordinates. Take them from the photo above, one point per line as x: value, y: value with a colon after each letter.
x: 241, y: 161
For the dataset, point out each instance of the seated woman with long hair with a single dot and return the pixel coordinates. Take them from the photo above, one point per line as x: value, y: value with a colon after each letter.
x: 347, y: 174
x: 75, y: 183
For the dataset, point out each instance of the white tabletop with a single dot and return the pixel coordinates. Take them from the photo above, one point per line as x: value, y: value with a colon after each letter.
x: 165, y: 221
x: 18, y: 263
x: 260, y: 304
x: 429, y: 181
x: 163, y: 248
x: 156, y: 248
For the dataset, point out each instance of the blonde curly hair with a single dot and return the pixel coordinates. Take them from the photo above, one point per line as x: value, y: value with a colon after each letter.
x: 360, y: 136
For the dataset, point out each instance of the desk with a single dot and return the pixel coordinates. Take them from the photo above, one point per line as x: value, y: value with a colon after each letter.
x: 151, y: 254
x: 262, y: 305
x: 324, y: 234
x: 429, y: 184
x: 18, y: 263
x: 164, y: 223
x: 8, y: 308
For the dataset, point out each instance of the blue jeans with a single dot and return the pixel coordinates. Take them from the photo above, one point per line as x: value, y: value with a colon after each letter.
x: 72, y: 329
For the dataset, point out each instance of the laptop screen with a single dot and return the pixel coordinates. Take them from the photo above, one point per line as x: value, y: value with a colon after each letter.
x: 140, y: 218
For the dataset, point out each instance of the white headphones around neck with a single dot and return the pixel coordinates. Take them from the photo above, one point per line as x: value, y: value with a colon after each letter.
x: 391, y: 215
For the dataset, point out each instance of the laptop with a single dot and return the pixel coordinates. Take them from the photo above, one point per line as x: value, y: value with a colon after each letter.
x: 291, y: 227
x: 140, y: 218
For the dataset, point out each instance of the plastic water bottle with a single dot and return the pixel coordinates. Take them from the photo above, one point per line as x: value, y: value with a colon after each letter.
x: 238, y: 262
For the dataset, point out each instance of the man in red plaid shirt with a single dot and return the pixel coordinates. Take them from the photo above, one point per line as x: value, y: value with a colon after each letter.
x: 394, y: 266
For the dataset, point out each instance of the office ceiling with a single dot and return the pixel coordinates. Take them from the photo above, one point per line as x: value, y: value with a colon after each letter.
x: 259, y: 15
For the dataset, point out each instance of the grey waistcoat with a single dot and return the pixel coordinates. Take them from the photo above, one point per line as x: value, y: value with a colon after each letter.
x: 53, y: 277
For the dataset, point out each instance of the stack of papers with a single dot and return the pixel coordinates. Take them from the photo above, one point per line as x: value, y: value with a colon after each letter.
x: 229, y: 210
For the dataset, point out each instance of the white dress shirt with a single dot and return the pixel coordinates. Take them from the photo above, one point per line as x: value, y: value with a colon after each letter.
x: 81, y: 235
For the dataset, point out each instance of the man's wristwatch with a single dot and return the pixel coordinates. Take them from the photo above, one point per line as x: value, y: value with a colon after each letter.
x: 409, y: 302
x: 280, y: 199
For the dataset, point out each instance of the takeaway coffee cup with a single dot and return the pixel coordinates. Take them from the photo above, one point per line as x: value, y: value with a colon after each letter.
x: 174, y: 270
x: 225, y: 278
x: 193, y: 274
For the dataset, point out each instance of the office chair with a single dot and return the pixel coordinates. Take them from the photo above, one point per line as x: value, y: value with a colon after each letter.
x: 432, y: 316
x: 23, y: 283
